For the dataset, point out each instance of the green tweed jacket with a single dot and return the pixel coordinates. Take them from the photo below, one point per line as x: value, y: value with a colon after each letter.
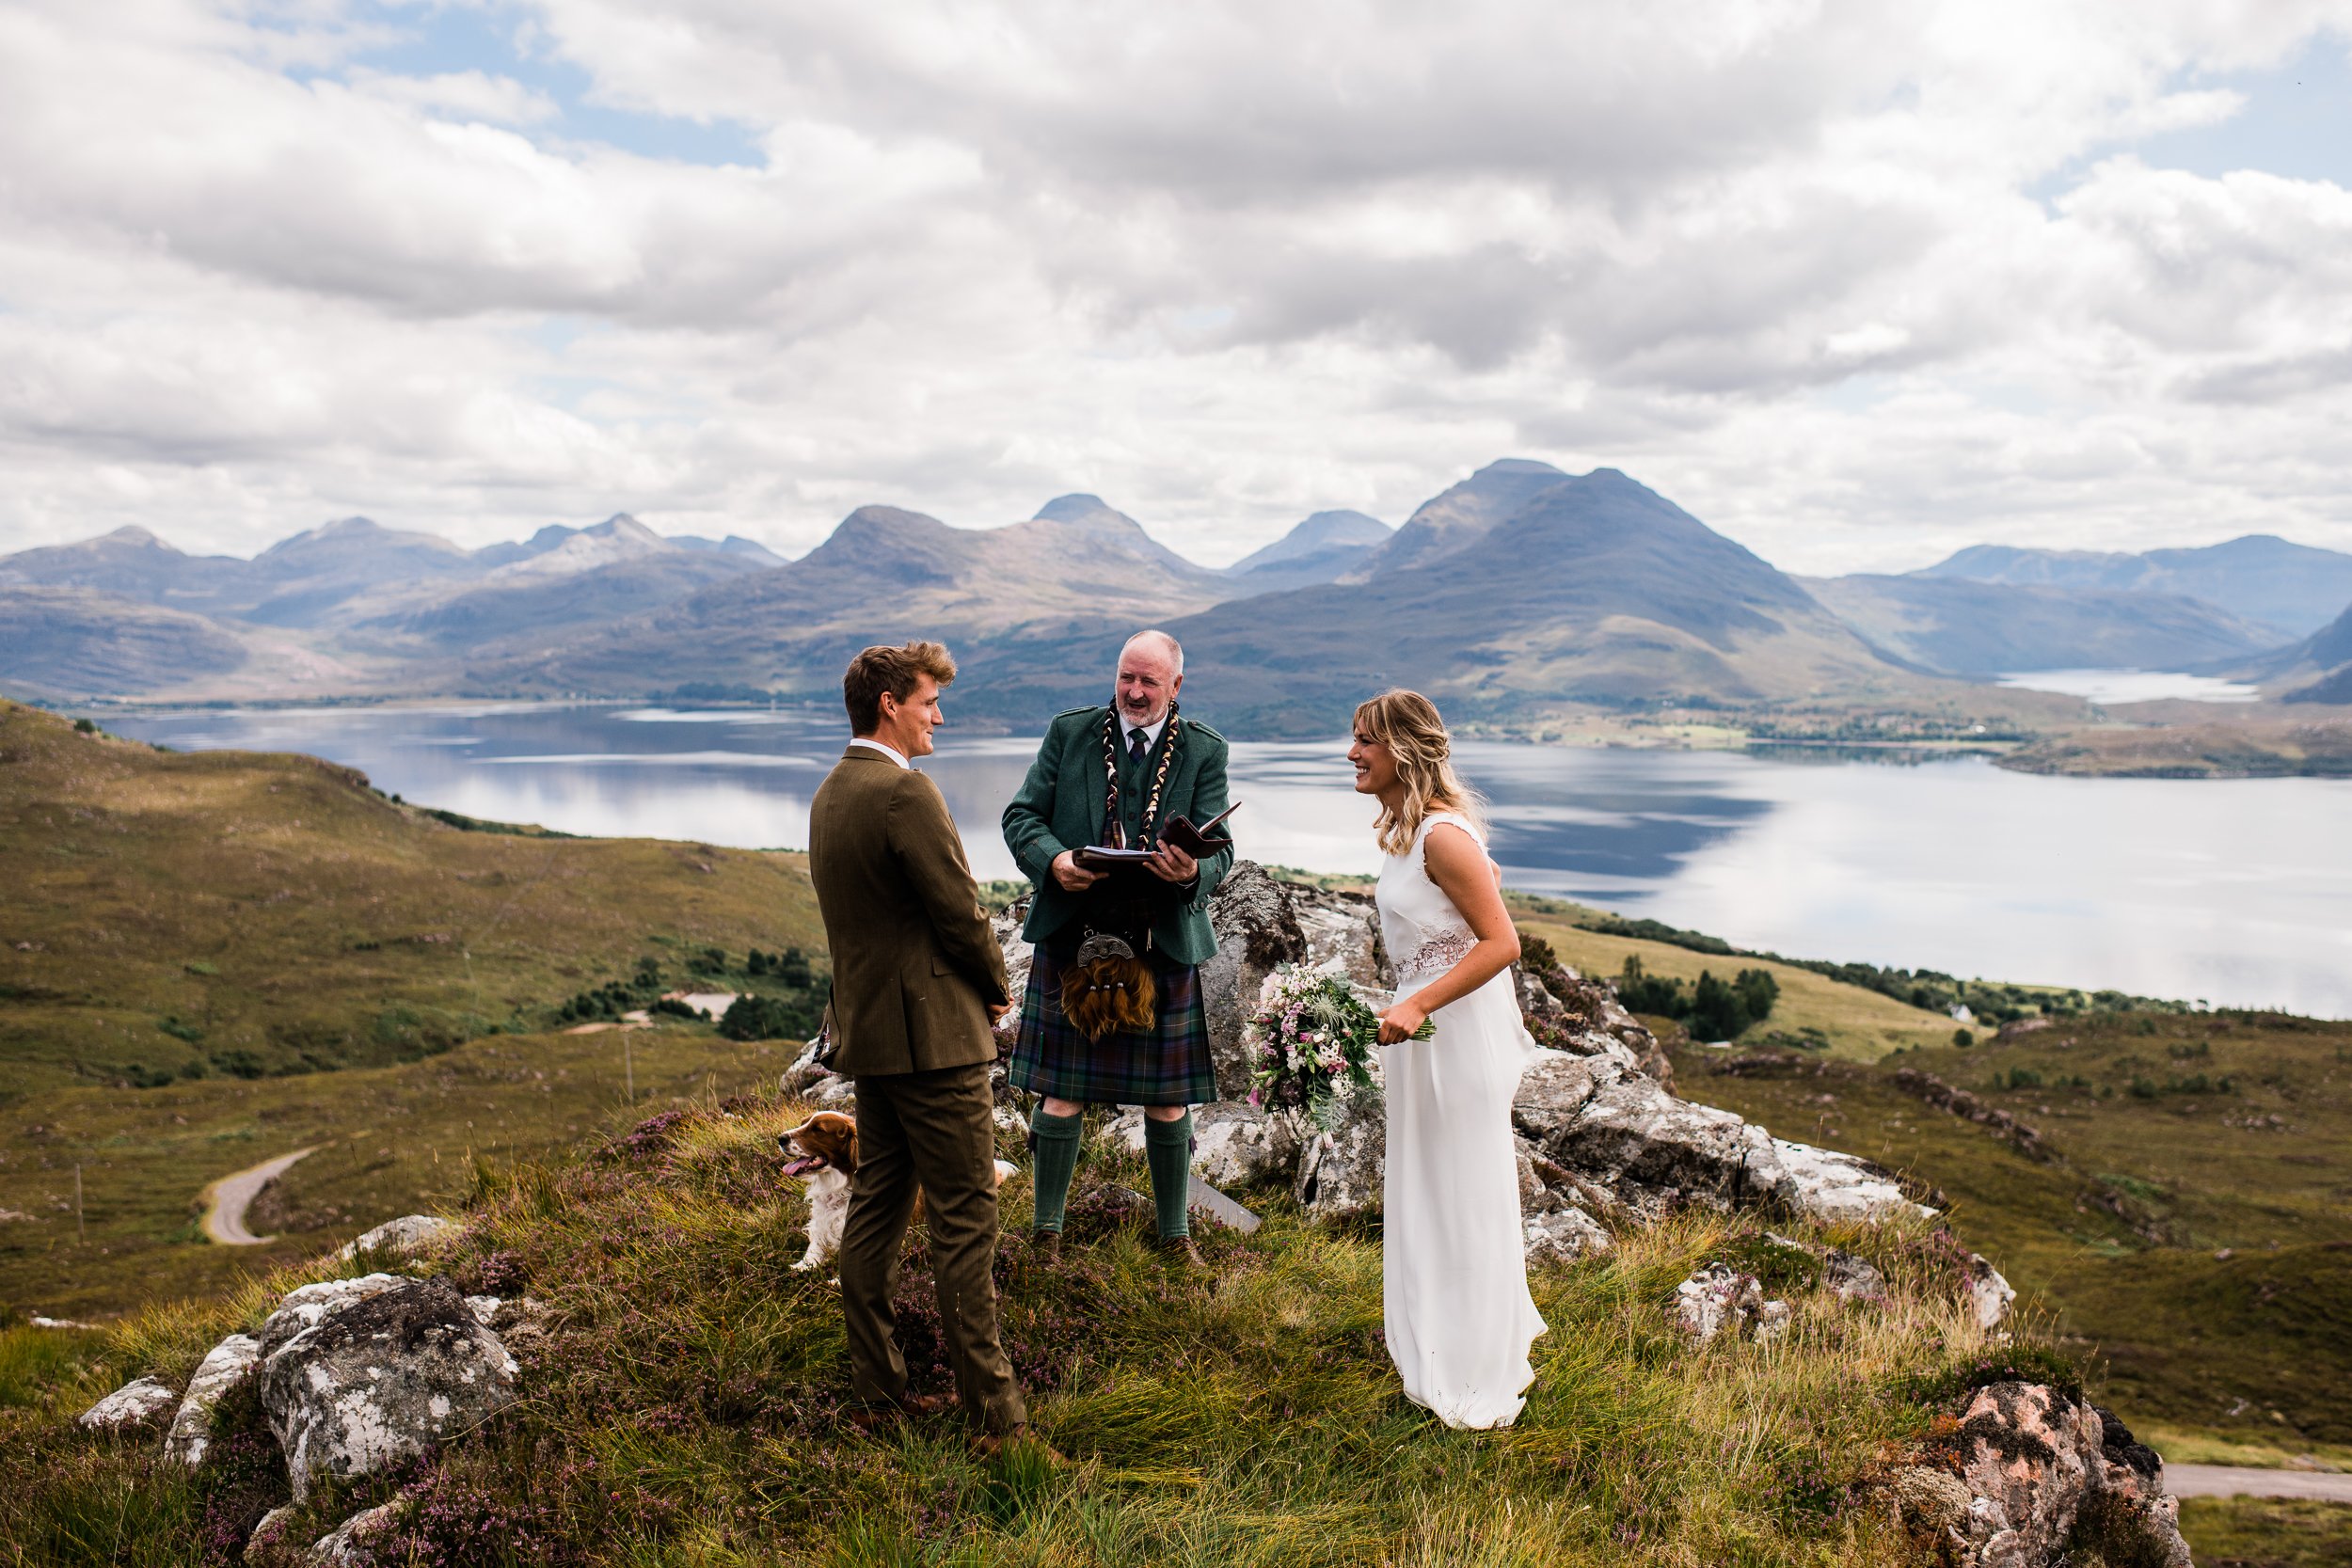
x: 1060, y: 806
x: 915, y: 965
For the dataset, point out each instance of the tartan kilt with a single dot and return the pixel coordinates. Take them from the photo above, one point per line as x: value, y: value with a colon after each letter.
x: 1168, y: 1065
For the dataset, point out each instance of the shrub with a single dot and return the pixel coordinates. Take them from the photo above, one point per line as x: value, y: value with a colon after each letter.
x: 772, y: 1018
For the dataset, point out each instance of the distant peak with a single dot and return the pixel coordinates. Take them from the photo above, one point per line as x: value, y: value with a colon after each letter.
x: 347, y: 525
x: 131, y: 534
x: 621, y: 523
x: 1523, y: 467
x: 1078, y: 507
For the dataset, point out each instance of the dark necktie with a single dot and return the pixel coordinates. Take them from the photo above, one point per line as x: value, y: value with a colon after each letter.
x: 1134, y: 744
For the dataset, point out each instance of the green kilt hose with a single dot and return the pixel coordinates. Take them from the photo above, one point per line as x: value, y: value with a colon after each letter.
x: 1169, y: 1066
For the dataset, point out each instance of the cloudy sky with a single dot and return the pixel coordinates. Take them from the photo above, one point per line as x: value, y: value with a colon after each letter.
x: 1856, y: 283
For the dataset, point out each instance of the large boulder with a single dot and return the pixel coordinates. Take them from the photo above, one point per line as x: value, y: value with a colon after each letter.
x: 1340, y: 1171
x: 304, y: 1305
x: 1256, y: 921
x: 1233, y: 1143
x: 191, y: 1431
x: 1565, y: 1011
x: 2034, y: 1478
x: 1562, y: 1235
x: 379, y: 1378
x: 1621, y: 1131
x: 138, y: 1406
x: 411, y: 1235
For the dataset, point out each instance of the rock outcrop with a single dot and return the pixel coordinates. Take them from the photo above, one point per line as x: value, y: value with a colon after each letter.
x: 1340, y: 1171
x: 2032, y: 1476
x: 409, y: 1236
x: 1623, y: 1132
x: 1256, y: 921
x: 1717, y: 1297
x: 1601, y: 1131
x: 141, y: 1404
x: 1234, y: 1143
x: 191, y: 1431
x: 378, y: 1376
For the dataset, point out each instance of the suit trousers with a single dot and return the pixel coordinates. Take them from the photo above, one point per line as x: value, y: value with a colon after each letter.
x: 933, y: 1131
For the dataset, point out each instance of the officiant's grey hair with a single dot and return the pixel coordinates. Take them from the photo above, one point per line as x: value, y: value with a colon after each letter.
x: 1165, y: 643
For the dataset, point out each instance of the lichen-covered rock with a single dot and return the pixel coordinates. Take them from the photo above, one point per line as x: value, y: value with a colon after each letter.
x: 1234, y: 1143
x: 1563, y: 1235
x: 304, y: 1305
x: 137, y: 1405
x: 191, y: 1431
x: 1991, y: 1294
x: 1622, y: 1131
x: 2027, y: 1456
x: 1565, y: 1011
x: 1851, y: 1278
x: 361, y: 1541
x: 1716, y: 1296
x: 409, y: 1236
x: 1340, y: 1171
x: 379, y: 1378
x: 2129, y: 1517
x: 1256, y: 921
x: 1836, y: 1188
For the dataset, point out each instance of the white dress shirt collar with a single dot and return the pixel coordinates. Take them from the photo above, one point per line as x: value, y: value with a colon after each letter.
x: 1150, y: 734
x: 885, y: 749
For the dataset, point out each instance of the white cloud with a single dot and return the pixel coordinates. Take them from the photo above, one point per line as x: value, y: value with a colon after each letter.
x: 1855, y: 283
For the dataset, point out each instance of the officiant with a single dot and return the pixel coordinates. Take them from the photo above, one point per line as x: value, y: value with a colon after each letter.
x: 1116, y: 825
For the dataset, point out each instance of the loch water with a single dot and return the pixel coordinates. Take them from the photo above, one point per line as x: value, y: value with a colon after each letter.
x: 2236, y: 892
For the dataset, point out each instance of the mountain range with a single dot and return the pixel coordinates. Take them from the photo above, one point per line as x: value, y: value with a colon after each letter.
x: 2291, y: 590
x: 1518, y: 589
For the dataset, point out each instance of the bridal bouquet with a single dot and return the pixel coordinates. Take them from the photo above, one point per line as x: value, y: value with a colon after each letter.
x: 1312, y: 1034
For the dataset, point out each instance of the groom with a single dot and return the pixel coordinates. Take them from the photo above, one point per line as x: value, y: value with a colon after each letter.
x: 1113, y: 1013
x: 917, y: 979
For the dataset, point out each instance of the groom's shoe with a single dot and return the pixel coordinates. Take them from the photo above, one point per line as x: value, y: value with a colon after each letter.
x: 1180, y: 1251
x: 1047, y: 1246
x: 989, y: 1445
x: 871, y: 1419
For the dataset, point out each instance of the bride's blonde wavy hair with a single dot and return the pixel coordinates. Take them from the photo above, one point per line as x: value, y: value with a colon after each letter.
x: 1408, y: 724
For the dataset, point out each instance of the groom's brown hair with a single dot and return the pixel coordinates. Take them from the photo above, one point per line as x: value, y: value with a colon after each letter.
x: 882, y: 669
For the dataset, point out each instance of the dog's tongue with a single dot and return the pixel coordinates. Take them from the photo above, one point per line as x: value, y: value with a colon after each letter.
x: 803, y: 1165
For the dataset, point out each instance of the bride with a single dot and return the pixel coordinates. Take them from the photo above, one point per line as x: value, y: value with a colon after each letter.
x: 1453, y: 1272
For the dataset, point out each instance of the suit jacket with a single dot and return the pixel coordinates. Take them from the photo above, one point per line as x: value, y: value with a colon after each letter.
x: 914, y: 964
x: 1060, y: 806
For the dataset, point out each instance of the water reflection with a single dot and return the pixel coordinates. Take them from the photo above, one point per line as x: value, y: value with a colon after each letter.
x: 2215, y: 889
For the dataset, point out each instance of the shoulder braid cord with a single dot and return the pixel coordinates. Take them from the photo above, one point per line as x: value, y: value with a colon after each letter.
x: 1110, y: 989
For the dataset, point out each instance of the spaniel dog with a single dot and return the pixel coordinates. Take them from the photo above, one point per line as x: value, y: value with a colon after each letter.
x: 822, y: 1151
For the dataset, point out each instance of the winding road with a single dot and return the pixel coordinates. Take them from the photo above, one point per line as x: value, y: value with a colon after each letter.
x: 2230, y: 1481
x: 229, y: 1196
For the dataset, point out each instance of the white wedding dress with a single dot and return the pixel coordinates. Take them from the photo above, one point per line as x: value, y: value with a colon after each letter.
x: 1454, y: 1266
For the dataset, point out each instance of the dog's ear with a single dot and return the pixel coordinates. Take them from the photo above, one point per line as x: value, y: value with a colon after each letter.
x: 849, y: 1149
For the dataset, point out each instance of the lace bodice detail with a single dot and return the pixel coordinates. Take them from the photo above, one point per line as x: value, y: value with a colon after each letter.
x: 1425, y: 935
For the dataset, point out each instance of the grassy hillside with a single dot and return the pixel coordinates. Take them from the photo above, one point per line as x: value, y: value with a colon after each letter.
x: 388, y: 1141
x: 173, y: 917
x: 687, y: 1409
x: 1853, y: 1023
x: 2306, y: 744
x: 2192, y: 1230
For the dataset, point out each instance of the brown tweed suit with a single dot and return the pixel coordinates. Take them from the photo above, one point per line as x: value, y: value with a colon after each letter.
x: 915, y: 970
